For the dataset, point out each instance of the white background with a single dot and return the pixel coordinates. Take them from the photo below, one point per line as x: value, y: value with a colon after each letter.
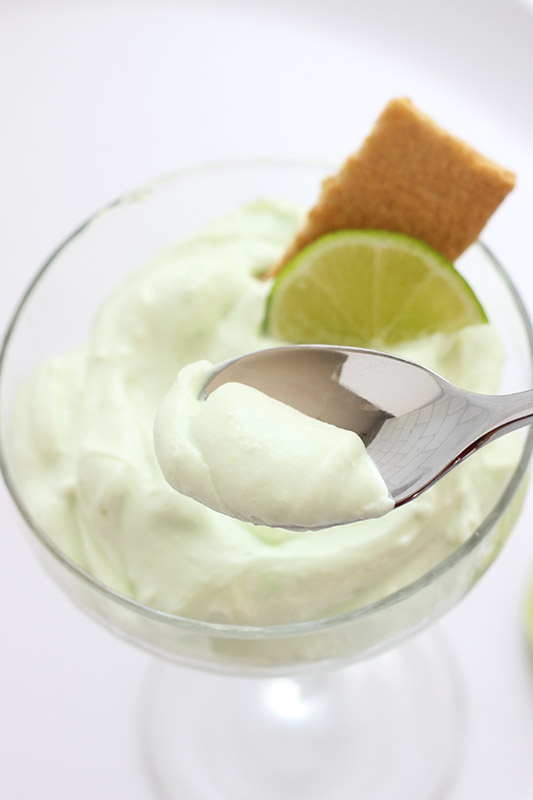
x: 99, y: 97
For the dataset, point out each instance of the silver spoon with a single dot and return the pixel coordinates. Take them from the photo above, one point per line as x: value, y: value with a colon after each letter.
x: 415, y: 424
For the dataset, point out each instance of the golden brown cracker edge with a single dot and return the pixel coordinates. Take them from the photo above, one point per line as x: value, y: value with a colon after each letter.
x: 412, y: 177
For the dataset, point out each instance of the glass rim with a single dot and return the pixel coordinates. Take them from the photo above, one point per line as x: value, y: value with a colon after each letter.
x: 226, y: 630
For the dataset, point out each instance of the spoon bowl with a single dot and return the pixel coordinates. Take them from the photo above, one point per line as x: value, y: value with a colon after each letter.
x: 415, y: 424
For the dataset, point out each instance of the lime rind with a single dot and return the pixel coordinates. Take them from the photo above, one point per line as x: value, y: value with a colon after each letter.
x: 368, y: 288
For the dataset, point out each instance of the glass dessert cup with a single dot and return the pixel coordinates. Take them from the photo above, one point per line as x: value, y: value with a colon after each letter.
x: 385, y: 728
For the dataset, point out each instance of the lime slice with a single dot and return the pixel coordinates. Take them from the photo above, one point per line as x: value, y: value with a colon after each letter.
x: 368, y: 288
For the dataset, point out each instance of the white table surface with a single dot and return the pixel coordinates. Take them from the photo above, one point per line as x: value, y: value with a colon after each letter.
x: 97, y: 98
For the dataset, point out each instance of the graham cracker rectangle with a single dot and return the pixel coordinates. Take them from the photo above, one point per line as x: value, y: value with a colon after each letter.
x: 412, y: 177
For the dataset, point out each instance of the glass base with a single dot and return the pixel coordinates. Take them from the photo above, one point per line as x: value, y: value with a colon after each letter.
x: 385, y: 729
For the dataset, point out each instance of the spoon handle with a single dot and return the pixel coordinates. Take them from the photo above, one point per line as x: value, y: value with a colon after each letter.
x: 508, y: 412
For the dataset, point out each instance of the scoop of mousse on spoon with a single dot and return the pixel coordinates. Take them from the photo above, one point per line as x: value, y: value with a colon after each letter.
x: 415, y: 425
